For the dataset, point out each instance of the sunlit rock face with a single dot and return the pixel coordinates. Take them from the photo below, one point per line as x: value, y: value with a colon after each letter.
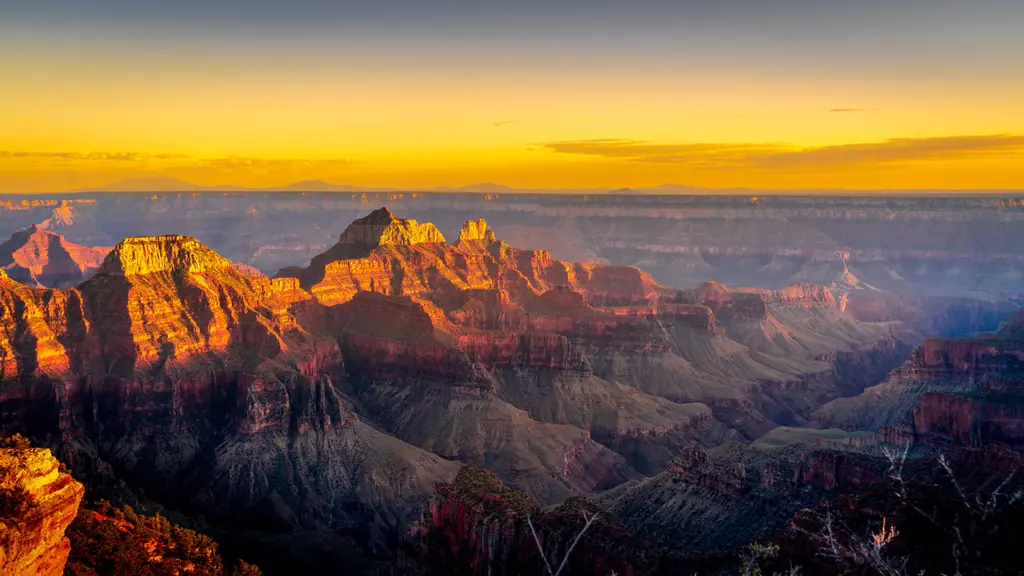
x: 643, y: 368
x: 169, y: 352
x: 382, y: 228
x: 476, y: 231
x: 336, y: 395
x: 40, y: 501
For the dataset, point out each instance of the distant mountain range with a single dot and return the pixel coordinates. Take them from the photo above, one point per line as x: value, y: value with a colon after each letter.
x: 164, y: 184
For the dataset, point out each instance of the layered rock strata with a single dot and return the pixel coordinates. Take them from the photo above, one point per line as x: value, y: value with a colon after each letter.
x: 333, y: 397
x: 39, y: 502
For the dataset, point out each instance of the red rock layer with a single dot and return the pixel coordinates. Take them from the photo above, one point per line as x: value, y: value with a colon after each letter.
x: 40, y: 502
x: 551, y: 373
x: 39, y: 258
x: 964, y: 392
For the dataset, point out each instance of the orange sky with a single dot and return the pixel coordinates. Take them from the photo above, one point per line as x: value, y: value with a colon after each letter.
x: 78, y: 111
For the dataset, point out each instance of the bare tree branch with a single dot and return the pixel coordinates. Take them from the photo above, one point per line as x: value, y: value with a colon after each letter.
x: 540, y: 548
x: 589, y: 520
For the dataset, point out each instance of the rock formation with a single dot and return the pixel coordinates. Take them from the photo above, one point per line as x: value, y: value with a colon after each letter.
x: 38, y: 502
x: 172, y: 369
x: 39, y: 258
x: 706, y: 504
x: 961, y: 246
x: 962, y: 392
x: 335, y: 396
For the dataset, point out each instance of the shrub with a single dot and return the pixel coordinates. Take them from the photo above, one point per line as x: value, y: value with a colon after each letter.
x: 118, y: 541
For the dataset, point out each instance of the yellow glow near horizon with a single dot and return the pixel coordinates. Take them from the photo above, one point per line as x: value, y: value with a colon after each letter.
x: 70, y: 121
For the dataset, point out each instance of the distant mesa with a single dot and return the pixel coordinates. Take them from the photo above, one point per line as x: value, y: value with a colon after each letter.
x: 42, y: 259
x: 163, y: 184
x: 168, y: 184
x: 155, y: 184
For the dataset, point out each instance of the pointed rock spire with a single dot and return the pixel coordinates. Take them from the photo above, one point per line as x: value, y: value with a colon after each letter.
x: 476, y: 231
x: 382, y: 228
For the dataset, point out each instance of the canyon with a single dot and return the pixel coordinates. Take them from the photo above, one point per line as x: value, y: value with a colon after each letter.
x: 920, y: 245
x: 208, y: 375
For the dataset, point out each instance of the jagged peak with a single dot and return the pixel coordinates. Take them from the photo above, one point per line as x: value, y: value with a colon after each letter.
x: 476, y: 231
x: 382, y: 228
x: 151, y: 254
x: 381, y: 215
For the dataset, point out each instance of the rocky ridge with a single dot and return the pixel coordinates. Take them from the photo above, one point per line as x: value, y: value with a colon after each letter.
x: 950, y: 392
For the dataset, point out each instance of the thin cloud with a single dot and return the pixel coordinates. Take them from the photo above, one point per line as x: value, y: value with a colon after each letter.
x: 698, y: 155
x: 89, y: 156
x: 897, y: 150
x: 847, y: 110
x: 621, y: 148
x: 268, y: 164
x: 179, y: 160
x: 504, y: 123
x: 775, y: 155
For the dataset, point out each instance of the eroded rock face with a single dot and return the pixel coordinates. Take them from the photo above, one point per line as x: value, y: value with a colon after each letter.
x: 39, y: 502
x: 382, y: 228
x: 931, y: 316
x: 188, y: 379
x: 40, y: 258
x: 963, y: 392
x: 480, y: 328
x: 707, y: 504
x: 336, y: 395
x: 476, y: 231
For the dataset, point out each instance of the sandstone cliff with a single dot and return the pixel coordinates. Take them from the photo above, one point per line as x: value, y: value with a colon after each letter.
x: 39, y: 501
x: 963, y: 392
x: 708, y: 504
x: 172, y: 370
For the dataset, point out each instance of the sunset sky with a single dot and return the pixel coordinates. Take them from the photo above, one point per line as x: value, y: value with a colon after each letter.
x: 772, y: 94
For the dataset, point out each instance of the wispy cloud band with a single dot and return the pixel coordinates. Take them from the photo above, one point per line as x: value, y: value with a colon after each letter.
x: 227, y: 163
x: 775, y: 155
